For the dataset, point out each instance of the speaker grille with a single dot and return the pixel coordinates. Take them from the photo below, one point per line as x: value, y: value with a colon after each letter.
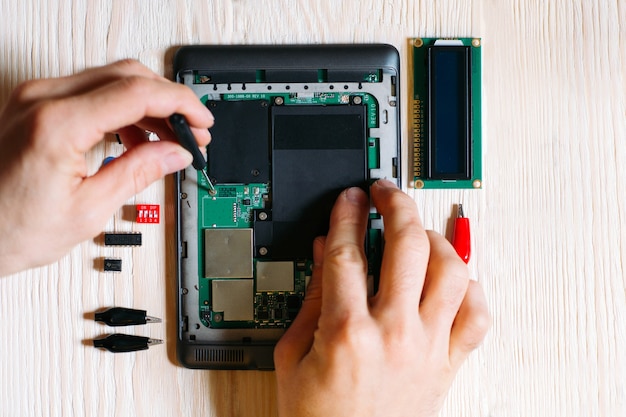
x: 219, y: 355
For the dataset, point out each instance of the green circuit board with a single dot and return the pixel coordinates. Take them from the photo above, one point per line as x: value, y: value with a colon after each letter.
x: 233, y: 208
x: 229, y: 298
x: 318, y: 98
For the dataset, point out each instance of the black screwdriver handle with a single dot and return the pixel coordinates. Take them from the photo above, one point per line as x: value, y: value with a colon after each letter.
x: 187, y: 140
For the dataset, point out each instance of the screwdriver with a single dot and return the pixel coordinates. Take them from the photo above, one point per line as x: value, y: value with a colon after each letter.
x: 188, y: 141
x: 120, y: 316
x: 125, y: 343
x: 461, y: 235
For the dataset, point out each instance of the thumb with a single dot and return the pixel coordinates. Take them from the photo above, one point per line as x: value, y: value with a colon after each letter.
x: 298, y: 339
x: 133, y: 171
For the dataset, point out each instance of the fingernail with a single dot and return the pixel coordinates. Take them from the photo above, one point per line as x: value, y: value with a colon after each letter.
x: 319, y: 243
x: 355, y: 195
x: 177, y: 160
x: 385, y: 184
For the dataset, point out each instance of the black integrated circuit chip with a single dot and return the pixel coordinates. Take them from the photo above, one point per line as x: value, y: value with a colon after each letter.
x: 293, y: 302
x: 122, y: 239
x: 112, y: 265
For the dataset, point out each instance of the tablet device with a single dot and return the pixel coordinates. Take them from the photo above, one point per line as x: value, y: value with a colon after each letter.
x: 294, y: 126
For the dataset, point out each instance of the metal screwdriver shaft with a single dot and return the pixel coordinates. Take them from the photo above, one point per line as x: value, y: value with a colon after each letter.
x: 209, y: 184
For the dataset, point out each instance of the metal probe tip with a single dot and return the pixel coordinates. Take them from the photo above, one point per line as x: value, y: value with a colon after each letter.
x: 460, y: 211
x: 152, y: 342
x: 212, y: 189
x: 150, y: 319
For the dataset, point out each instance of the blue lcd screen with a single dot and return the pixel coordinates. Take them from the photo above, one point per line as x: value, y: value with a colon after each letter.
x: 449, y: 132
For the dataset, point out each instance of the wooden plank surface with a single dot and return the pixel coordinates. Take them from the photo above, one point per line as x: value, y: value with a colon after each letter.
x: 549, y: 229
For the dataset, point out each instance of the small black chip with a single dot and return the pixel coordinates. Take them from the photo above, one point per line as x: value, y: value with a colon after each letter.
x: 262, y: 315
x: 246, y: 201
x: 206, y: 316
x: 122, y: 239
x: 280, y: 298
x: 293, y: 302
x: 278, y: 314
x: 112, y: 265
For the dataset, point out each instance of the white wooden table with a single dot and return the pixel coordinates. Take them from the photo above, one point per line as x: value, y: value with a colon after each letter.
x: 549, y: 227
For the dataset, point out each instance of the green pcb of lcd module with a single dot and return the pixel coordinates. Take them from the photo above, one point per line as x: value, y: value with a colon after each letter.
x: 446, y: 113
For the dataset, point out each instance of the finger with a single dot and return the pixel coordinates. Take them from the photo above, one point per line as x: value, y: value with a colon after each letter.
x: 128, y: 101
x: 405, y: 257
x: 81, y: 82
x: 298, y: 339
x: 130, y: 173
x: 447, y: 279
x: 344, y: 288
x: 471, y: 324
x: 132, y: 136
x: 164, y: 132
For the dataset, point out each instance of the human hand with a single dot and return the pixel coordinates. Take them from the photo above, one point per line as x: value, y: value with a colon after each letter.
x: 394, y: 354
x: 47, y: 201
